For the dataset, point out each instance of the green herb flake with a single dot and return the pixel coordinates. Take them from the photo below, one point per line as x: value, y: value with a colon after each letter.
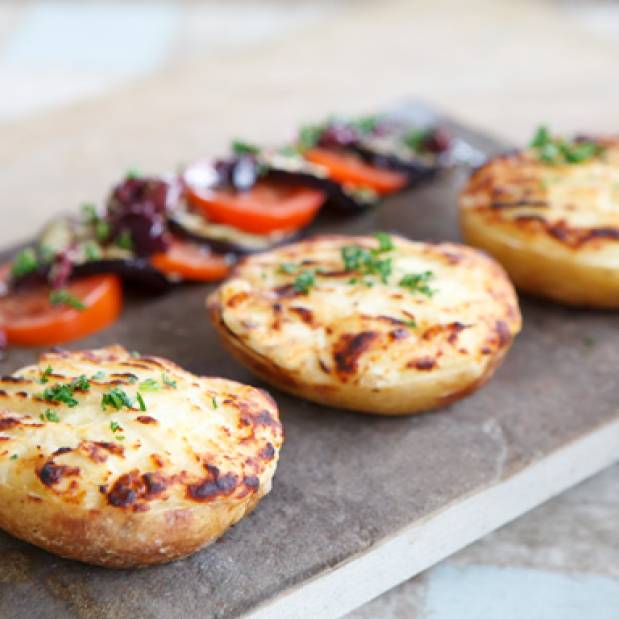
x: 92, y: 251
x: 418, y: 283
x: 132, y: 174
x: 150, y: 384
x: 46, y: 254
x: 63, y: 297
x: 115, y: 426
x: 100, y: 375
x: 385, y: 242
x: 304, y: 281
x: 14, y: 457
x: 367, y: 262
x: 132, y: 379
x: 244, y: 148
x: 140, y: 399
x: 50, y: 415
x: 416, y: 139
x: 45, y: 374
x: 24, y: 263
x: 410, y: 323
x: 60, y: 393
x: 124, y: 240
x: 89, y: 213
x: 116, y: 398
x: 135, y: 354
x: 554, y: 150
x: 102, y: 231
x: 167, y: 381
x: 80, y: 383
x: 309, y: 136
x: 365, y: 124
x: 214, y: 402
x: 354, y: 257
x: 288, y: 268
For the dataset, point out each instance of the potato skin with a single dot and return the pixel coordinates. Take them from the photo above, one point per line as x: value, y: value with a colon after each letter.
x: 76, y: 490
x: 554, y: 228
x: 348, y: 346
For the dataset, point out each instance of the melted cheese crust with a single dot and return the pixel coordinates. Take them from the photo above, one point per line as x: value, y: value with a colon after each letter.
x: 555, y: 228
x: 202, y: 448
x: 379, y: 348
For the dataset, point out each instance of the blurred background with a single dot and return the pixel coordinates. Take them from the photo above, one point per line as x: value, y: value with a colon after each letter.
x: 91, y: 89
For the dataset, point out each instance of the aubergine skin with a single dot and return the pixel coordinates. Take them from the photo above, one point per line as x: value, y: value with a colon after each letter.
x: 416, y: 171
x: 137, y: 271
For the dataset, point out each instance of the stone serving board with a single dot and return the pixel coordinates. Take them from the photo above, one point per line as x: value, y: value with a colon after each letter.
x: 359, y: 503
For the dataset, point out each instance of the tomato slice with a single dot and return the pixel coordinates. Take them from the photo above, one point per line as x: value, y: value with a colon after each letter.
x: 349, y: 168
x: 267, y: 207
x: 28, y: 318
x: 190, y: 261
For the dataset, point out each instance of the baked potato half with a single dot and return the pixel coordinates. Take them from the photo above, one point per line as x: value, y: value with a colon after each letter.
x: 377, y: 325
x: 125, y: 461
x: 553, y: 224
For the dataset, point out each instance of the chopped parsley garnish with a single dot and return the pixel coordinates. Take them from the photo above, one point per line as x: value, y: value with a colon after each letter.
x: 385, y: 242
x: 132, y: 378
x: 50, y: 415
x: 150, y: 384
x: 24, y: 263
x: 368, y: 261
x: 45, y: 374
x: 92, y: 251
x: 102, y: 230
x: 169, y: 382
x: 244, y: 148
x: 418, y: 282
x: 555, y: 150
x: 89, y: 213
x: 116, y: 427
x: 14, y: 457
x: 116, y: 398
x: 354, y: 256
x: 365, y: 124
x: 416, y: 138
x: 124, y: 240
x: 304, y: 281
x: 64, y: 297
x: 80, y: 383
x: 214, y: 402
x: 100, y: 375
x: 409, y: 323
x: 63, y: 392
x: 309, y: 136
x: 133, y: 174
x: 135, y: 354
x: 140, y: 399
x: 46, y: 254
x: 288, y: 268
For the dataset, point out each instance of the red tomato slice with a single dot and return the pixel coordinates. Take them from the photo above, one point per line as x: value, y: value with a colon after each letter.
x: 191, y: 261
x: 28, y: 318
x: 349, y: 168
x: 266, y: 207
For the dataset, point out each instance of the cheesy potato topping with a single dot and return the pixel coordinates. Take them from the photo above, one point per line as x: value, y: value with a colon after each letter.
x: 553, y: 225
x: 351, y: 321
x: 106, y: 436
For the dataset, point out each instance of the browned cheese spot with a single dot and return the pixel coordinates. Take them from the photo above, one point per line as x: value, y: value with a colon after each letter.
x: 349, y: 348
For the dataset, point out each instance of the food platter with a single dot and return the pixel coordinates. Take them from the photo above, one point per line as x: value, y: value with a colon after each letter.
x: 358, y: 503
